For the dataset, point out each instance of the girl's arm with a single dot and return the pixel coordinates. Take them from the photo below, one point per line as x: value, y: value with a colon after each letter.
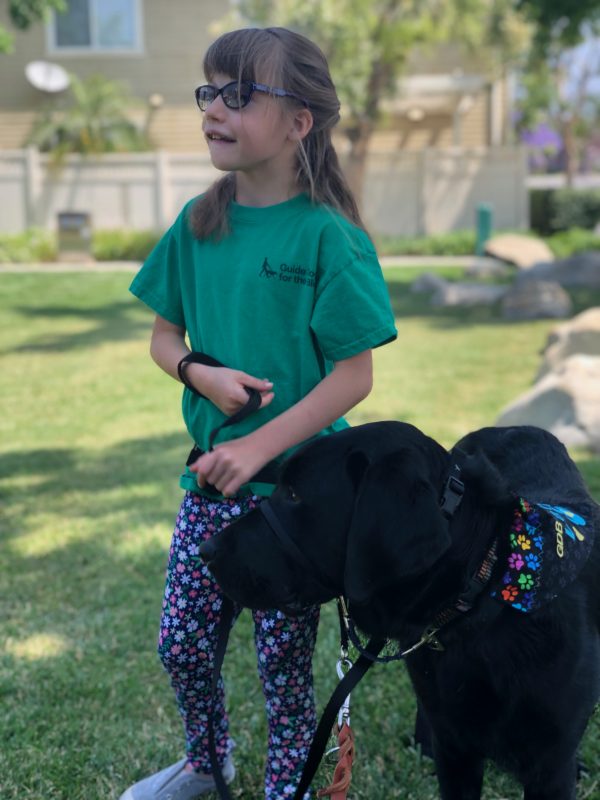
x: 223, y: 387
x: 233, y: 463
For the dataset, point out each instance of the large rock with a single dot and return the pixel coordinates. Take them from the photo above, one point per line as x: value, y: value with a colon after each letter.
x: 579, y: 270
x: 580, y: 335
x: 467, y: 294
x: 536, y: 300
x: 487, y: 268
x: 565, y: 402
x: 447, y: 293
x: 427, y: 282
x: 522, y: 251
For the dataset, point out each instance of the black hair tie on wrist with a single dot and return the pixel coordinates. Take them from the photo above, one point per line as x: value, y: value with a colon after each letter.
x: 254, y: 397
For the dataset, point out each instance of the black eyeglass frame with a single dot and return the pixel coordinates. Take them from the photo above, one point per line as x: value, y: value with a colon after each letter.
x: 241, y: 99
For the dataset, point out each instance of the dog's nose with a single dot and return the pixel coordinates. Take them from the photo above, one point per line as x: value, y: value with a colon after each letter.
x: 207, y: 551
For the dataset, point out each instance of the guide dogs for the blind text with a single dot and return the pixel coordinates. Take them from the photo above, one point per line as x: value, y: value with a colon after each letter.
x: 511, y: 580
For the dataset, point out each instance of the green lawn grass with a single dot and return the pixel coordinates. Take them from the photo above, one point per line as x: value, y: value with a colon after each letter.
x: 91, y: 443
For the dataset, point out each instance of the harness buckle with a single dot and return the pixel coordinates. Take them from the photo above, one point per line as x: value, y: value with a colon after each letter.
x: 430, y: 639
x: 453, y: 494
x: 468, y: 596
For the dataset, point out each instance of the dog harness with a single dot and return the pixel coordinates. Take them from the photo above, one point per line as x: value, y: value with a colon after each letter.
x: 549, y: 546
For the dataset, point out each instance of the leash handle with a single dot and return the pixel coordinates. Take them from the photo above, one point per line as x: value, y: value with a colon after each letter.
x: 252, y: 404
x: 195, y: 358
x: 342, y: 776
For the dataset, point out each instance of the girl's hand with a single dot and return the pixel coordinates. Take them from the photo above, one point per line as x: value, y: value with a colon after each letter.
x: 229, y: 465
x: 225, y: 387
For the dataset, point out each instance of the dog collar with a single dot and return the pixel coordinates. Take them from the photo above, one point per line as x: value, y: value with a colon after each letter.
x: 465, y: 601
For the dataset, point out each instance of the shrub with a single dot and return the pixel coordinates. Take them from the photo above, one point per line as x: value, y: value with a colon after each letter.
x: 123, y: 245
x: 540, y: 210
x: 575, y: 208
x: 31, y: 246
x: 94, y: 120
x: 39, y: 245
x: 553, y: 210
x: 566, y: 243
x: 456, y: 243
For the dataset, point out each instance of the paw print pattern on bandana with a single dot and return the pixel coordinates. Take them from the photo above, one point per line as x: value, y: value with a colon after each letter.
x: 522, y: 576
x: 547, y: 551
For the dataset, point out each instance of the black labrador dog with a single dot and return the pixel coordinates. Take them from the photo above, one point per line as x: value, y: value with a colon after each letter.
x: 492, y: 546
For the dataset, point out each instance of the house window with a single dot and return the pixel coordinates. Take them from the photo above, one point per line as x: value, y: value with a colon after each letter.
x: 97, y: 25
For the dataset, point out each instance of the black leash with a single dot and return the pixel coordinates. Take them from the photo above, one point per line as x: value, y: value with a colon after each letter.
x: 227, y: 616
x: 268, y: 473
x: 252, y: 405
x: 343, y: 689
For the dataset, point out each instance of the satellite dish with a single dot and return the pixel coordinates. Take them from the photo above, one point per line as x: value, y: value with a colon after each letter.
x: 46, y: 76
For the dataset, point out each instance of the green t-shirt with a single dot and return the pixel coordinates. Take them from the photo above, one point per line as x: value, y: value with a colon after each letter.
x: 292, y: 289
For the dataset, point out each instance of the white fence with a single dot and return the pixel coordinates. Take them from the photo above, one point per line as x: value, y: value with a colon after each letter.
x: 406, y: 193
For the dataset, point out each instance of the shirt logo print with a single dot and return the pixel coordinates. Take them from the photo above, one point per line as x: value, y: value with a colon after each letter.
x: 266, y: 271
x: 288, y: 273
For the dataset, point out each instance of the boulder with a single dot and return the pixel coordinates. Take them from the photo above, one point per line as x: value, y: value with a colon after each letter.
x: 427, y: 282
x: 467, y: 294
x: 447, y: 293
x: 522, y: 251
x: 536, y: 300
x: 487, y: 268
x: 565, y: 402
x: 579, y: 270
x: 580, y: 335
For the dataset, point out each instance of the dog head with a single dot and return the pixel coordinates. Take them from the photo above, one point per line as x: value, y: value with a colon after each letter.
x: 361, y: 505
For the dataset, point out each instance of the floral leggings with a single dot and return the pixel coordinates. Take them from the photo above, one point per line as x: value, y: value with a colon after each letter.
x: 188, y: 632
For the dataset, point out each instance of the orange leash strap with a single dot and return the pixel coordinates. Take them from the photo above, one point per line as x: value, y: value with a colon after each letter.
x: 338, y: 789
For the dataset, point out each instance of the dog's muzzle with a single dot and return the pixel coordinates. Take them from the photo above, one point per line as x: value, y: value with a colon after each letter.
x: 292, y: 550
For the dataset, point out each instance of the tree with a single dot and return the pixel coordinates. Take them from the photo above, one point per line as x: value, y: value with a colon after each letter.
x: 23, y: 13
x: 556, y: 90
x: 93, y: 122
x: 559, y: 21
x: 555, y: 87
x: 368, y: 42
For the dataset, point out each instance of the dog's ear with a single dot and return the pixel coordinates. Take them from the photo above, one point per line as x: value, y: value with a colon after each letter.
x: 485, y: 481
x: 397, y: 529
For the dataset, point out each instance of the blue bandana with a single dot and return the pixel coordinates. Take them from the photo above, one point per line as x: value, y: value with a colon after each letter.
x: 548, y: 547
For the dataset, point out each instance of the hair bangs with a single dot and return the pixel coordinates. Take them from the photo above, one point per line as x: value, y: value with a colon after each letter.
x: 249, y: 54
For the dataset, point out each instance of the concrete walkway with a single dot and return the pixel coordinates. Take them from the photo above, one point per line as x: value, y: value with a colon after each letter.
x: 133, y: 266
x: 76, y: 266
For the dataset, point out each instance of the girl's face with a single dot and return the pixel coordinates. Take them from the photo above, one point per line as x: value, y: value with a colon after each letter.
x: 259, y: 139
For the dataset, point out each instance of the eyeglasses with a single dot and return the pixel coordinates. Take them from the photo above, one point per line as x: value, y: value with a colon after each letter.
x: 237, y: 94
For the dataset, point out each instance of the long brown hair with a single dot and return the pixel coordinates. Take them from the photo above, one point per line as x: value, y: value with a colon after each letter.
x: 287, y: 59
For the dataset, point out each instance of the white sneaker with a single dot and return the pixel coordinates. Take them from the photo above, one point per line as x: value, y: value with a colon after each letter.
x: 176, y: 783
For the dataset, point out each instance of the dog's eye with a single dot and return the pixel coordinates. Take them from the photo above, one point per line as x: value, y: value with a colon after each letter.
x: 292, y: 495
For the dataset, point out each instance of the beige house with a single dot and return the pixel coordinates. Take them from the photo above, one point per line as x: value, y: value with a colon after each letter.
x: 441, y: 150
x: 156, y: 48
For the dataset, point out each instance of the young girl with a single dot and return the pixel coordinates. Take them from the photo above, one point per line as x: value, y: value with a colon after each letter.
x: 271, y: 273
